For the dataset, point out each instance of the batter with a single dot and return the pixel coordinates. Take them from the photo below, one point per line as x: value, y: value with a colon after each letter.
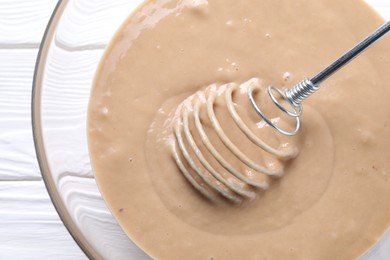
x: 332, y: 201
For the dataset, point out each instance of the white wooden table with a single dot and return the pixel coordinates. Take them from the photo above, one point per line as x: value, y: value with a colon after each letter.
x: 29, y: 225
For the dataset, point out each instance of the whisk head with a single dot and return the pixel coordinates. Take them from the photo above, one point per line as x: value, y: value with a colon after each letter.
x: 205, y: 166
x: 293, y: 97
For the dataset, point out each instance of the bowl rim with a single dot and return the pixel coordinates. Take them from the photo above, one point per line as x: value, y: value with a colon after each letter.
x: 37, y: 132
x: 40, y: 151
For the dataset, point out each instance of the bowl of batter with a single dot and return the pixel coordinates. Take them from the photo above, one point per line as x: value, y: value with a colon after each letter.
x: 106, y: 90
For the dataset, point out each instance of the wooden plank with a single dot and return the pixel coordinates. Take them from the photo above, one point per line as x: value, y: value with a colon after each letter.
x: 22, y: 22
x: 17, y: 160
x: 30, y: 227
x: 90, y: 22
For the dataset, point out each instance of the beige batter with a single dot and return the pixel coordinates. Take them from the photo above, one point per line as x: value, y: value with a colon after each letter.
x: 333, y: 200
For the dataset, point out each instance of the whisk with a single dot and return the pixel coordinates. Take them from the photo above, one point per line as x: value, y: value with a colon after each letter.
x: 208, y: 179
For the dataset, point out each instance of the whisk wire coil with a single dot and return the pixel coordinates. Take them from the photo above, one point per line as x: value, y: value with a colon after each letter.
x: 200, y: 172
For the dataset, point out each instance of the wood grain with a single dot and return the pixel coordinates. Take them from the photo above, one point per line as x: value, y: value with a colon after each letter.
x: 17, y: 161
x: 29, y: 225
x: 23, y: 22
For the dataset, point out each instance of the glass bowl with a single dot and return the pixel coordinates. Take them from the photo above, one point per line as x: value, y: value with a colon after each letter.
x: 72, y: 47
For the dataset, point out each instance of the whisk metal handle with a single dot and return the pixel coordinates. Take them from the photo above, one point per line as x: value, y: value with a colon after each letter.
x: 295, y: 95
x: 351, y: 54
